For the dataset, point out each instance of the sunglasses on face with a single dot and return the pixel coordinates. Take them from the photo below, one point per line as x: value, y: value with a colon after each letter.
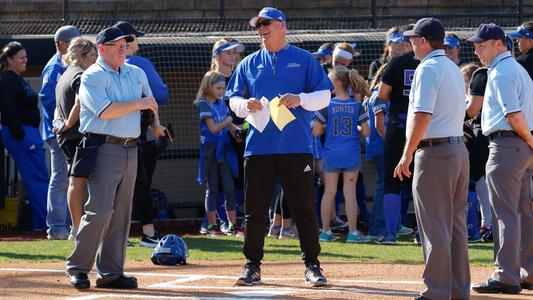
x: 262, y: 23
x: 117, y: 46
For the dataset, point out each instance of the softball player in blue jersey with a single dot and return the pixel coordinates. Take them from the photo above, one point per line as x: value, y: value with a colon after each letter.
x: 344, y: 118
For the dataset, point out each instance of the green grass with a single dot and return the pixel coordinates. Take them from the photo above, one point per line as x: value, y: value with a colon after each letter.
x: 229, y: 248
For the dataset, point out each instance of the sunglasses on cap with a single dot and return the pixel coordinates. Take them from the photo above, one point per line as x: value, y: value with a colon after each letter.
x: 263, y: 23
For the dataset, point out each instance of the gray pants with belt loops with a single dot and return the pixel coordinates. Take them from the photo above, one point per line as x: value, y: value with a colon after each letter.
x: 105, y: 226
x: 509, y: 171
x: 440, y: 187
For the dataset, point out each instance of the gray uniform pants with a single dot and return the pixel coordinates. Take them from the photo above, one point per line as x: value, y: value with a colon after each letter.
x: 104, y: 227
x: 440, y: 187
x: 509, y: 171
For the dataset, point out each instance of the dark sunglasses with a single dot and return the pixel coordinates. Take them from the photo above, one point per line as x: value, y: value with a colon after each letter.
x: 263, y: 23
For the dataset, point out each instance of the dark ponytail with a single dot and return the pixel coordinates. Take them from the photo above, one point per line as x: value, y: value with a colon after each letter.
x: 9, y: 50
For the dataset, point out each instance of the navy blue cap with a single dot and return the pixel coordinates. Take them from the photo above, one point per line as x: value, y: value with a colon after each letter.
x: 127, y: 28
x: 487, y: 32
x: 452, y: 42
x: 269, y: 13
x: 429, y: 28
x: 112, y: 34
x: 521, y: 32
x: 66, y: 34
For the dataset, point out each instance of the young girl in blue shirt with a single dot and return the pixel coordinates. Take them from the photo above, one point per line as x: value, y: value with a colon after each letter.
x: 218, y: 161
x: 343, y: 122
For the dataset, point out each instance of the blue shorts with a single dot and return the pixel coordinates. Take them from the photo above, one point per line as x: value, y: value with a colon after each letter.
x: 330, y: 169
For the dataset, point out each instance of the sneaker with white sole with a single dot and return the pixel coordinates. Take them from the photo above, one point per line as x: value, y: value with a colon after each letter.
x: 250, y: 276
x: 150, y: 242
x: 314, y: 276
x: 274, y: 231
x: 289, y: 233
x: 357, y: 237
x: 327, y: 236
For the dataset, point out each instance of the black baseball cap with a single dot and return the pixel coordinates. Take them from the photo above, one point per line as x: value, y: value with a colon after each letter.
x: 487, y: 32
x: 429, y: 28
x: 127, y: 28
x: 112, y: 34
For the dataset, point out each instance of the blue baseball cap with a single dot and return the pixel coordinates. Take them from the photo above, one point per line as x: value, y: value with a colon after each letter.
x: 66, y: 33
x: 112, y: 34
x: 508, y: 42
x: 269, y: 13
x: 452, y: 42
x: 487, y: 32
x: 521, y: 32
x: 323, y: 52
x: 429, y: 28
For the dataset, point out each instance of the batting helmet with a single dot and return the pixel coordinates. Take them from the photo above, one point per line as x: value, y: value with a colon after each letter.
x: 171, y: 250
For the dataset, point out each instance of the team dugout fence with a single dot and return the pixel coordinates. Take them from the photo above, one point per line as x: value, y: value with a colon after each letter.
x: 181, y: 52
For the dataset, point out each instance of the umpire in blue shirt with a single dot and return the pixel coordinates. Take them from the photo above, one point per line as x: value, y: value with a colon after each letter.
x: 294, y: 74
x: 507, y: 119
x: 440, y: 180
x: 111, y: 95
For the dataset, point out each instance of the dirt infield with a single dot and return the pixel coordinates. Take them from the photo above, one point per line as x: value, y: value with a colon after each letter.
x: 214, y: 280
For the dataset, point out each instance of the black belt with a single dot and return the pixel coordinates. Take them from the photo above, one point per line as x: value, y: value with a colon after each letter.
x: 440, y: 141
x: 126, y: 142
x: 502, y: 133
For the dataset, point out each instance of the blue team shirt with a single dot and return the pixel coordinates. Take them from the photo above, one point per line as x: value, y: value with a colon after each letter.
x: 218, y: 111
x: 49, y: 77
x: 267, y: 74
x: 158, y: 87
x: 342, y: 148
x: 374, y: 143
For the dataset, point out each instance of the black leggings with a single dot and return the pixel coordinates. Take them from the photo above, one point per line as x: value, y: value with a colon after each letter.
x: 296, y: 176
x: 142, y: 199
x: 394, y: 143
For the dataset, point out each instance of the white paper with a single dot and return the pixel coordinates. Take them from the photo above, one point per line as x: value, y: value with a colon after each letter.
x: 259, y: 119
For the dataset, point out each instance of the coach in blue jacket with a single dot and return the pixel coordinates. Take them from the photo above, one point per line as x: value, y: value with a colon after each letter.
x: 296, y: 76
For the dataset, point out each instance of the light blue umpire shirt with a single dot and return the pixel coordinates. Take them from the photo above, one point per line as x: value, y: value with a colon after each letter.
x: 509, y: 89
x: 438, y: 88
x: 100, y: 87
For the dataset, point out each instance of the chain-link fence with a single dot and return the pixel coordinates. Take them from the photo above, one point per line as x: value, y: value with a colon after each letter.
x: 181, y: 52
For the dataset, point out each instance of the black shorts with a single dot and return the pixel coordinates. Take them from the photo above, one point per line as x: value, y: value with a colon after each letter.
x: 68, y: 146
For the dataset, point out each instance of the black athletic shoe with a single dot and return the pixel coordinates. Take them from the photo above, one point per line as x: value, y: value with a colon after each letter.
x: 150, y: 242
x: 122, y: 282
x: 492, y: 286
x: 314, y: 277
x: 80, y: 281
x: 250, y: 276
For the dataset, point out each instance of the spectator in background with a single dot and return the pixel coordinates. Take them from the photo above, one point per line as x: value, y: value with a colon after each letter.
x: 452, y: 47
x: 324, y: 53
x: 524, y: 34
x: 81, y: 54
x: 148, y: 149
x: 342, y: 150
x: 343, y: 55
x: 57, y: 218
x: 218, y: 161
x: 20, y: 129
x: 394, y: 87
x: 393, y: 47
x: 374, y: 145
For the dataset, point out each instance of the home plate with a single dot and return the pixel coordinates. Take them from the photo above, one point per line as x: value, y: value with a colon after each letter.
x: 260, y: 293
